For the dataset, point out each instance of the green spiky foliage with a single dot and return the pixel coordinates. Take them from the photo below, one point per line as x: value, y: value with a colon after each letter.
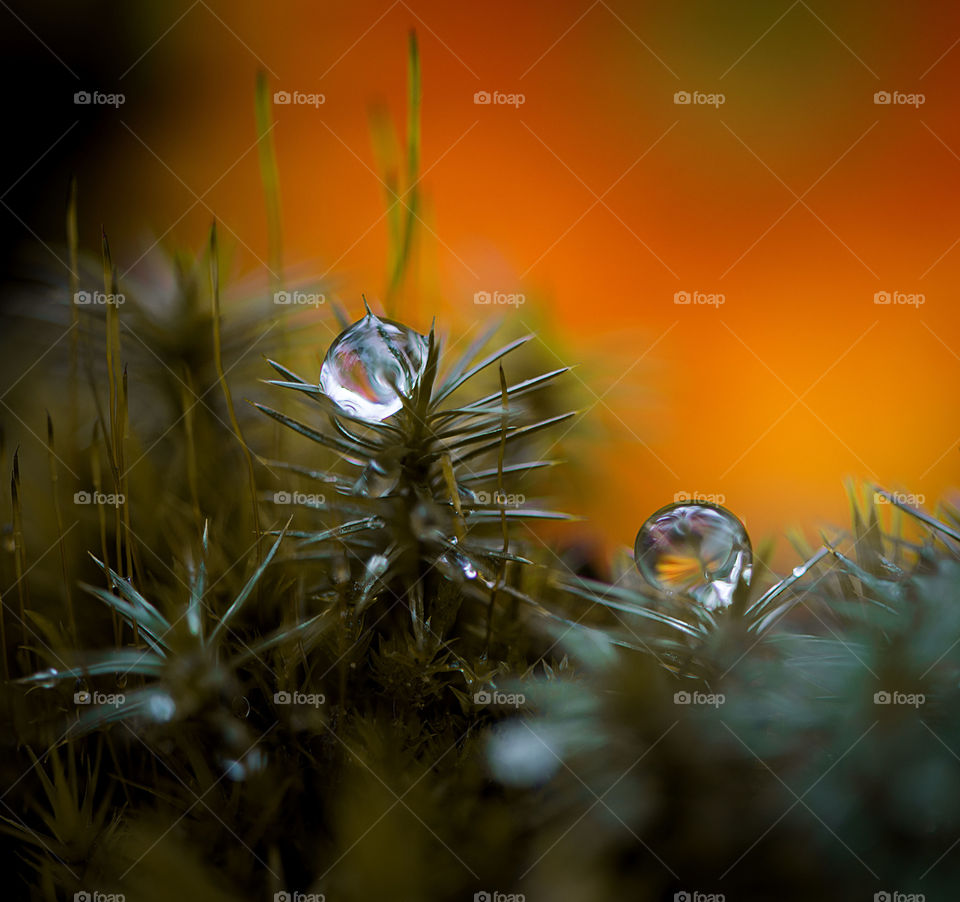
x: 335, y: 657
x: 426, y: 501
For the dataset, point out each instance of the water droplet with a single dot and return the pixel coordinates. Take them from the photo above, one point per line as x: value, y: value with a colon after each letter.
x: 377, y: 479
x: 455, y: 565
x: 370, y: 364
x: 238, y: 769
x: 799, y: 571
x: 521, y: 754
x: 161, y: 707
x: 377, y: 565
x: 47, y: 679
x: 700, y: 550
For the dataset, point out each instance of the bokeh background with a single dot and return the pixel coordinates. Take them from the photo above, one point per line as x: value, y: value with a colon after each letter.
x: 598, y: 199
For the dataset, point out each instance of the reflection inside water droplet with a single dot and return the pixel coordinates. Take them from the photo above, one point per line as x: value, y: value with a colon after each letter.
x: 371, y: 364
x: 48, y: 678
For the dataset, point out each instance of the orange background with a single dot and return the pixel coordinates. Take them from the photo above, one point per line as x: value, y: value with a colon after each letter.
x: 680, y: 398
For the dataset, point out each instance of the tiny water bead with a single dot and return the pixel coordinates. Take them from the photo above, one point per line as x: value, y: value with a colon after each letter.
x: 370, y: 365
x: 456, y: 566
x: 524, y: 754
x: 47, y: 679
x: 700, y: 550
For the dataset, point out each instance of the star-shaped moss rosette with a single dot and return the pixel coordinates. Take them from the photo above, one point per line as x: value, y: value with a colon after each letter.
x: 854, y: 579
x: 182, y: 664
x: 435, y: 487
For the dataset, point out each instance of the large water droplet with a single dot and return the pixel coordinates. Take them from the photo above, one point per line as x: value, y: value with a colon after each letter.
x: 700, y: 550
x: 370, y: 365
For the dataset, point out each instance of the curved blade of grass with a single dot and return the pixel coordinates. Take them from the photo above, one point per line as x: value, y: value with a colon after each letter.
x: 318, y: 475
x: 312, y: 434
x: 887, y: 591
x: 453, y: 384
x: 119, y: 660
x: 147, y: 628
x: 513, y: 391
x: 251, y: 584
x: 221, y: 376
x: 345, y: 529
x: 600, y: 593
x: 269, y: 177
x: 152, y: 616
x: 774, y: 591
x: 546, y: 612
x: 466, y: 358
x: 197, y: 588
x: 135, y: 702
x: 317, y: 393
x: 516, y: 434
x: 920, y: 515
x: 496, y: 512
x: 402, y: 259
x: 490, y: 472
x: 280, y: 637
